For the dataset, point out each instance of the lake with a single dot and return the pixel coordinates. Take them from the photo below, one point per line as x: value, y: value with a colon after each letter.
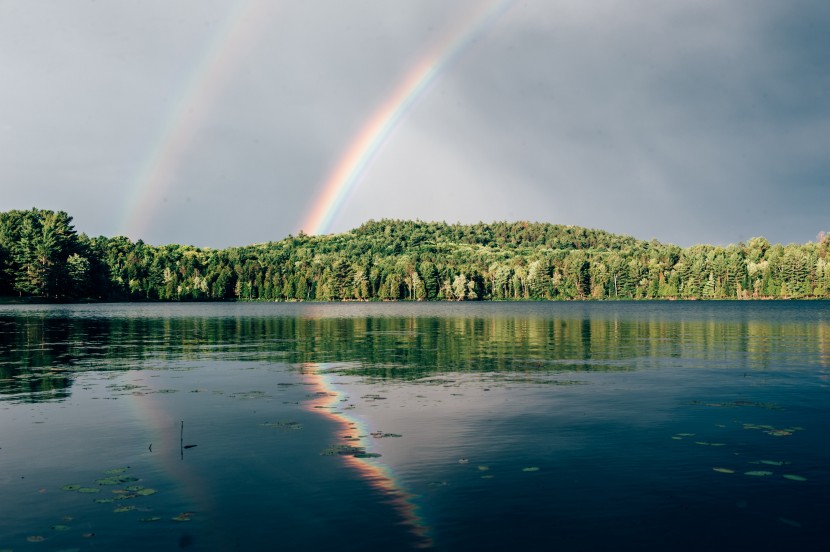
x: 388, y: 426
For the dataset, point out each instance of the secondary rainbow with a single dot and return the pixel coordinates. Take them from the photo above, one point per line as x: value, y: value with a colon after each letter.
x: 365, y: 145
x: 188, y: 110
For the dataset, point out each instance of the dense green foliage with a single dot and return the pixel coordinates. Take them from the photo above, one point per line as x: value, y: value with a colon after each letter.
x: 41, y: 255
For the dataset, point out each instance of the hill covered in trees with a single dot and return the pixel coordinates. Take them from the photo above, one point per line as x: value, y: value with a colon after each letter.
x: 41, y: 255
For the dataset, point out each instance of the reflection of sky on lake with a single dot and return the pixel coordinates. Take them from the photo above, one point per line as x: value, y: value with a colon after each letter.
x: 597, y: 396
x: 353, y: 432
x: 165, y: 440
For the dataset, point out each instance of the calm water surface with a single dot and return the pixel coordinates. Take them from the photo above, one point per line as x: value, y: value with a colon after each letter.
x: 528, y: 426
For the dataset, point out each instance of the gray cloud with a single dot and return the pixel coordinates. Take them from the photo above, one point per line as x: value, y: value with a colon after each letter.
x: 685, y: 121
x: 688, y: 121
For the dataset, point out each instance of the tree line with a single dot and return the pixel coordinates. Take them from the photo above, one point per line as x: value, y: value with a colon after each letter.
x: 41, y: 255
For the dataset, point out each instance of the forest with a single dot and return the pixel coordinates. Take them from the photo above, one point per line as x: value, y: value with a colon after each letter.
x: 43, y: 257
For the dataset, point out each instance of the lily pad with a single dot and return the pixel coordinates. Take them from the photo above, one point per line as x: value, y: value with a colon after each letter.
x: 531, y: 469
x: 104, y: 500
x: 382, y: 435
x: 774, y: 431
x: 61, y: 528
x: 108, y: 481
x: 184, y: 516
x: 89, y: 490
x: 344, y: 450
x: 793, y: 477
x: 774, y: 462
x: 247, y: 395
x: 758, y: 473
x: 723, y: 470
x: 150, y: 519
x: 71, y: 487
x: 116, y: 471
x: 35, y: 538
x: 122, y: 509
x: 146, y: 492
x: 284, y: 425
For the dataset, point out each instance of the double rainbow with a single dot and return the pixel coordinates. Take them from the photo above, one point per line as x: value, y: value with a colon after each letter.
x: 242, y: 25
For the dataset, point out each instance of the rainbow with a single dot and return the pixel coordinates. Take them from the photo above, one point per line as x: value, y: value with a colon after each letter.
x: 162, y: 430
x: 187, y: 112
x: 366, y: 144
x: 373, y: 471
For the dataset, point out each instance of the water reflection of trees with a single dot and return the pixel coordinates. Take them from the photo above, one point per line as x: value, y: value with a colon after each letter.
x: 40, y: 353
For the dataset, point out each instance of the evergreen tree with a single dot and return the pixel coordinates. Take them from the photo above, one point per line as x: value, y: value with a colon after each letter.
x: 38, y: 244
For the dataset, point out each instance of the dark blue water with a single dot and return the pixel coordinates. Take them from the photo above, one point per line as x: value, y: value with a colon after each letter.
x: 540, y: 426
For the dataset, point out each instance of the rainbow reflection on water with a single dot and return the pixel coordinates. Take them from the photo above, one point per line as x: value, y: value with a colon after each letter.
x: 354, y: 433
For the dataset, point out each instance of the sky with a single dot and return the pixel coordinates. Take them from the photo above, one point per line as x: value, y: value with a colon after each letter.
x: 231, y: 122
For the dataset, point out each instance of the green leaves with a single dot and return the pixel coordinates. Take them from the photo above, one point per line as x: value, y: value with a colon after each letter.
x: 401, y: 260
x: 38, y: 244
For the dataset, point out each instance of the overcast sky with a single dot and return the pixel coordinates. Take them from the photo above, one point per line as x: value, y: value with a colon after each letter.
x: 216, y: 122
